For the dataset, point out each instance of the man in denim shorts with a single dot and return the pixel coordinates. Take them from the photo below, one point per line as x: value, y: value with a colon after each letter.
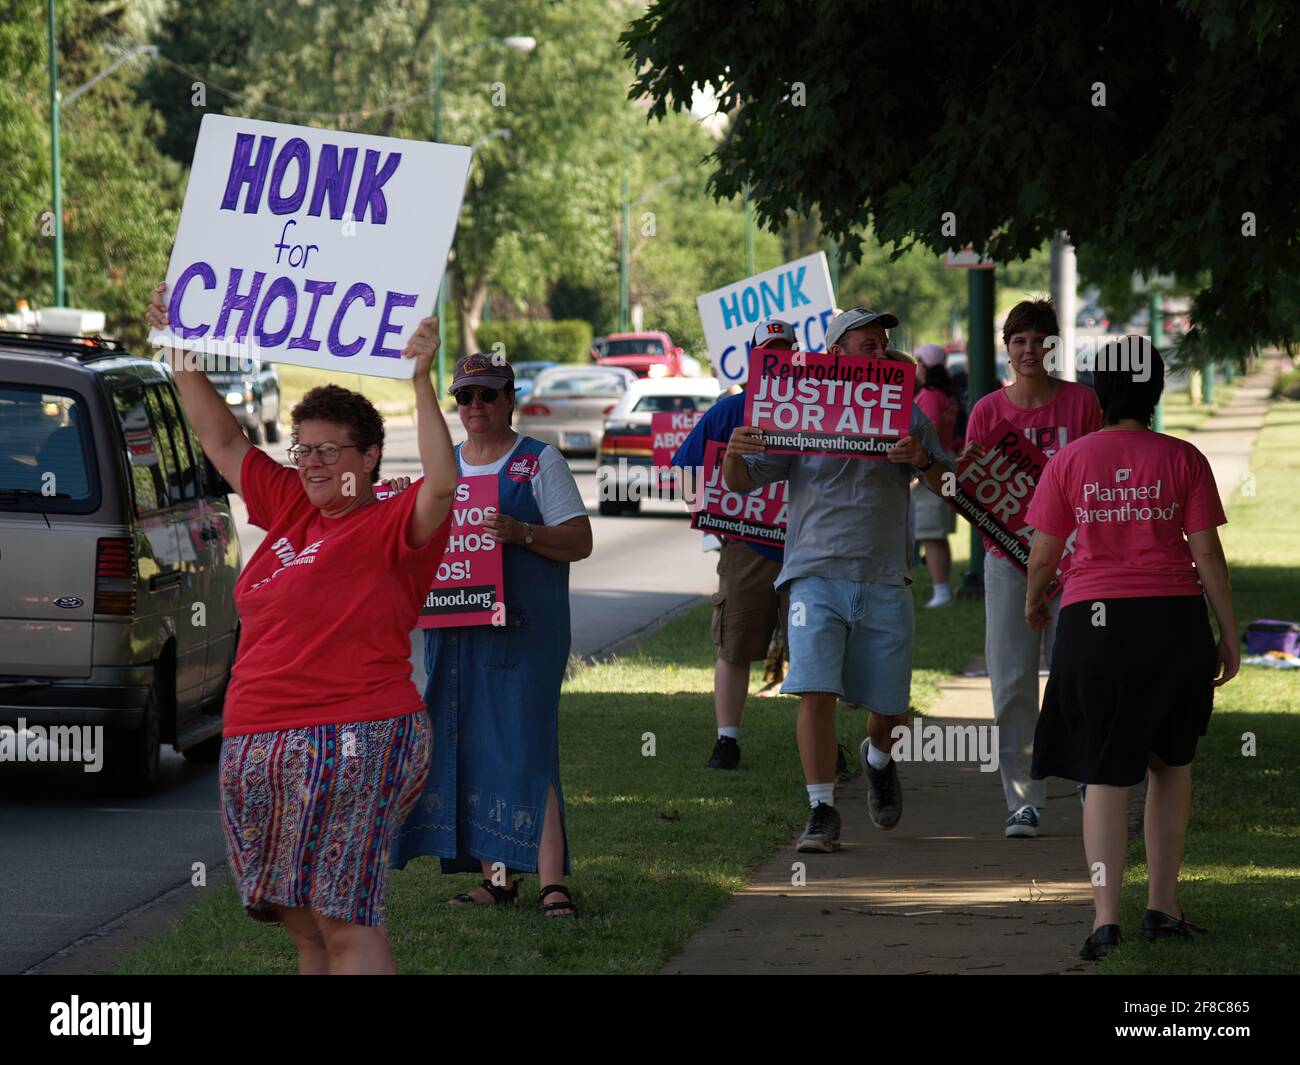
x: 847, y: 565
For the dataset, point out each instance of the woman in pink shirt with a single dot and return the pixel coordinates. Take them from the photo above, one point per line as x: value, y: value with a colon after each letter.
x: 1135, y: 667
x: 933, y: 520
x: 1050, y: 413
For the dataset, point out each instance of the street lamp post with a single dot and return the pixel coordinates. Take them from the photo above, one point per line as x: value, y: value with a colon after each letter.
x: 625, y: 253
x: 57, y: 104
x: 519, y: 44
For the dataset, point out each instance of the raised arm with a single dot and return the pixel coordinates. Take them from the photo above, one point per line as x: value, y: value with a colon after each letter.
x: 220, y: 436
x: 437, y: 458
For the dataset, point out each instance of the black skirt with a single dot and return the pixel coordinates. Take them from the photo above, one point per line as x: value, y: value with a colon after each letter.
x: 1140, y: 683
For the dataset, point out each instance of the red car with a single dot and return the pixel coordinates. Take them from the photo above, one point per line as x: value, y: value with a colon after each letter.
x: 649, y: 354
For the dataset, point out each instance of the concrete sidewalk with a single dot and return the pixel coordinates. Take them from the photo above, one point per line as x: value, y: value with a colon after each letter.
x: 945, y: 891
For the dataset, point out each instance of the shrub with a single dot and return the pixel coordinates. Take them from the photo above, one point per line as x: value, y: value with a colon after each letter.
x: 527, y: 339
x: 1287, y: 385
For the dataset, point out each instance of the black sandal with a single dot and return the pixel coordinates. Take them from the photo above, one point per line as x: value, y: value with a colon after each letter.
x: 570, y: 910
x: 500, y: 896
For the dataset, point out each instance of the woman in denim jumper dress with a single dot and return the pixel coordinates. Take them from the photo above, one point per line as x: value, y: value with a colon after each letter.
x: 493, y: 800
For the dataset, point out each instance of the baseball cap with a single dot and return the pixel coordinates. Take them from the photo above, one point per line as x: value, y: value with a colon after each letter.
x: 856, y: 318
x: 931, y: 354
x: 484, y: 371
x: 773, y: 329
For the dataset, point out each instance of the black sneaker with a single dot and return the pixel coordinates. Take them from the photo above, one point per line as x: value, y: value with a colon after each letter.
x: 822, y: 832
x: 884, y: 794
x: 726, y: 754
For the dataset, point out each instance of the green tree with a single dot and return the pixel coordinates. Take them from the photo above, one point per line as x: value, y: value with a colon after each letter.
x: 1161, y: 137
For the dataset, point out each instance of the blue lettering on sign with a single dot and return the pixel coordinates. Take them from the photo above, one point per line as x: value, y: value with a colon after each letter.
x: 725, y: 368
x: 730, y: 314
x: 749, y: 304
x: 796, y: 288
x: 772, y: 301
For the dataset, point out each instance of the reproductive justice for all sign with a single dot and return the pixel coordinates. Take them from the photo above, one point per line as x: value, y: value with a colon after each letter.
x: 317, y: 247
x: 812, y: 404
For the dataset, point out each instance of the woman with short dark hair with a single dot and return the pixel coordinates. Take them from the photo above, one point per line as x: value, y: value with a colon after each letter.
x: 1135, y: 666
x: 327, y: 742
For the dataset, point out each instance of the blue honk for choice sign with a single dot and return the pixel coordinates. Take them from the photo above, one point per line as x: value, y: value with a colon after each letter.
x: 311, y: 246
x: 798, y: 292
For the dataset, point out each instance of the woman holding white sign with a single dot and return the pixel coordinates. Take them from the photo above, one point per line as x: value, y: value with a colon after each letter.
x: 493, y: 801
x: 326, y: 739
x: 1134, y: 672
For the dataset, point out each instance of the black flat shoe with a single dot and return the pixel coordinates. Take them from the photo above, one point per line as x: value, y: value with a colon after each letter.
x: 499, y: 896
x: 1102, y: 941
x: 1159, y: 925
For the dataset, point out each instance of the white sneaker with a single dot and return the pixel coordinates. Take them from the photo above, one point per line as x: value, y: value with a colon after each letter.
x: 941, y: 596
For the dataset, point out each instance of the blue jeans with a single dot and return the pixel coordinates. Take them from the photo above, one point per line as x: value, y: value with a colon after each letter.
x: 851, y: 638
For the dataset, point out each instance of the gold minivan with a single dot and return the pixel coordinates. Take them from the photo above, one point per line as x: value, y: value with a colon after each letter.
x: 118, y: 556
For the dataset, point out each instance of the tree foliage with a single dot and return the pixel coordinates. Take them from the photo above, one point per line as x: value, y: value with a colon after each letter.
x: 1163, y: 137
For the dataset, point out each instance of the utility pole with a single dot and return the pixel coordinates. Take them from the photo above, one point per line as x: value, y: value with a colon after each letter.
x: 980, y: 367
x: 56, y: 176
x: 1065, y: 283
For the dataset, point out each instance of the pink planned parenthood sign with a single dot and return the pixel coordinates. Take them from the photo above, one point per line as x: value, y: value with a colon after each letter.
x: 758, y: 516
x: 814, y: 404
x: 468, y: 587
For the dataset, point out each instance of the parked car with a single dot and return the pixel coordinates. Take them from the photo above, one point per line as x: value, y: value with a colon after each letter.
x: 568, y: 404
x: 1091, y: 316
x: 626, y: 450
x: 526, y: 376
x: 118, y: 555
x: 252, y: 391
x: 649, y: 354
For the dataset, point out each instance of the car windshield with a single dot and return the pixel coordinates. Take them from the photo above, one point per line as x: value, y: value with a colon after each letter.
x: 582, y: 384
x: 42, y: 448
x: 635, y: 346
x: 528, y: 373
x: 671, y: 404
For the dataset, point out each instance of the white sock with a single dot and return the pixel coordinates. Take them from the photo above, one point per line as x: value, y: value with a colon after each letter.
x: 824, y: 793
x: 877, y: 759
x: 732, y: 731
x: 941, y: 594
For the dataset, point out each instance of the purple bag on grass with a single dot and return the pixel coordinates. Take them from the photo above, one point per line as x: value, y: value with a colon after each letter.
x: 1269, y: 634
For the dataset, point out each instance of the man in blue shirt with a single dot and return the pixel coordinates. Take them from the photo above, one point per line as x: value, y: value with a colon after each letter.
x: 747, y: 609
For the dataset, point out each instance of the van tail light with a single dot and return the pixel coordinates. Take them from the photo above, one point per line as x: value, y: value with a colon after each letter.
x: 114, y: 576
x: 609, y: 408
x: 535, y: 409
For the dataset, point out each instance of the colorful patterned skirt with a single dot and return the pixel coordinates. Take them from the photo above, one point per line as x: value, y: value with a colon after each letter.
x: 309, y: 813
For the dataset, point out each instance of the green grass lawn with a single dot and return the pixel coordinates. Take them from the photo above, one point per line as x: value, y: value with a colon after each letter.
x: 660, y: 842
x: 1182, y: 416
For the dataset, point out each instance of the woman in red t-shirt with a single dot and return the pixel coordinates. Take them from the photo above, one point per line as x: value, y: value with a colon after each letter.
x: 1135, y: 665
x: 327, y: 743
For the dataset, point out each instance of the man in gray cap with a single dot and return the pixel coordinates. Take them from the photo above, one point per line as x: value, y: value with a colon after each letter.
x: 847, y: 569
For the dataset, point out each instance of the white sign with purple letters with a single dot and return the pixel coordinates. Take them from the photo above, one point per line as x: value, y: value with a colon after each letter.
x: 311, y: 246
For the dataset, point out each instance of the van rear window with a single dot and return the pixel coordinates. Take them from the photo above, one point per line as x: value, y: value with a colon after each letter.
x: 45, y: 451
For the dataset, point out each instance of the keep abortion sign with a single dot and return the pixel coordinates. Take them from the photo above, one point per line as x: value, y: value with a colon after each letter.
x: 468, y: 587
x: 668, y: 431
x: 309, y: 246
x: 993, y: 493
x: 798, y: 292
x: 829, y: 404
x: 759, y: 516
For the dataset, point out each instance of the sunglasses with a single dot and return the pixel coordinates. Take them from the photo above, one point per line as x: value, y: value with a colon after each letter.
x: 465, y: 396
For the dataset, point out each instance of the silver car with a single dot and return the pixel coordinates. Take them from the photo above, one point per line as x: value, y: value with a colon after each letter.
x: 568, y: 405
x: 118, y: 557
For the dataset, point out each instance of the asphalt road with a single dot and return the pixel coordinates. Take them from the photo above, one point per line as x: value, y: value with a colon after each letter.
x: 73, y: 860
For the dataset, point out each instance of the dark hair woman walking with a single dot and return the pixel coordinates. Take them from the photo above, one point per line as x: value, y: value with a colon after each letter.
x: 327, y: 742
x: 1135, y: 667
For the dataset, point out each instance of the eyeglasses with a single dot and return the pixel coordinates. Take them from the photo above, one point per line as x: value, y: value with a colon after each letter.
x: 327, y: 453
x: 465, y: 396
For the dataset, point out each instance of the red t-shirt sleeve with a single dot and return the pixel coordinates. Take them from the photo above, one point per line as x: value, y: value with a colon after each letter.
x: 267, y: 487
x: 1050, y: 509
x: 1203, y: 509
x: 391, y: 532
